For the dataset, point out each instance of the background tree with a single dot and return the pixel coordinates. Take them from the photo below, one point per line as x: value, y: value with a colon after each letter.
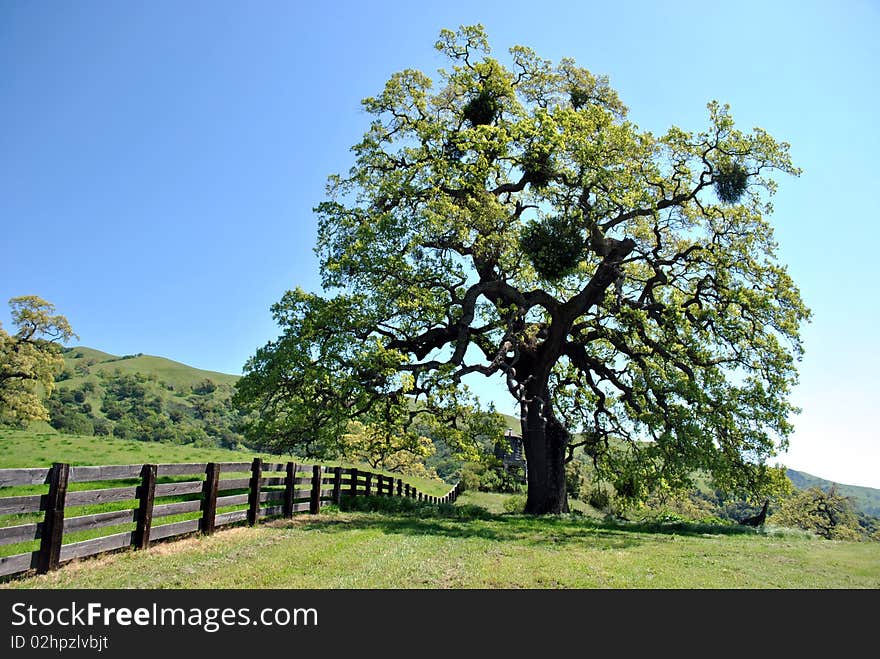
x: 30, y: 358
x: 400, y: 452
x: 513, y: 223
x: 828, y: 514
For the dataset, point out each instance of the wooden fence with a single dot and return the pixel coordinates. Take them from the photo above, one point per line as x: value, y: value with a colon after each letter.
x: 212, y: 495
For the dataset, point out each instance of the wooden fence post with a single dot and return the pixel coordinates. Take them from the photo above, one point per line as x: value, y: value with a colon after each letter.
x: 254, y: 491
x: 209, y: 498
x: 337, y: 485
x: 315, y: 498
x: 368, y: 485
x: 399, y: 487
x: 53, y: 523
x: 354, y: 482
x: 145, y: 507
x: 289, y: 489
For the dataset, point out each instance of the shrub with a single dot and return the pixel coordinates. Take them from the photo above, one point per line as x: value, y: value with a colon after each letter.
x: 599, y: 499
x: 514, y: 505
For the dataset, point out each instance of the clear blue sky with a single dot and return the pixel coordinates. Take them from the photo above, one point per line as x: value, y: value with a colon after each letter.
x: 159, y: 161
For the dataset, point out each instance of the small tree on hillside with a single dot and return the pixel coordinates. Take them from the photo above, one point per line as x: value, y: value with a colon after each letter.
x: 30, y: 358
x: 513, y: 223
x: 826, y: 513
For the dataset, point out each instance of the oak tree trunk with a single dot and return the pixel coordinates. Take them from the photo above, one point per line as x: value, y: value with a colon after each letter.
x: 545, y: 440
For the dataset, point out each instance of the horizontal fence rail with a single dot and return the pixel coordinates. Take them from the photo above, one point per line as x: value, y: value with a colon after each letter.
x: 203, y: 491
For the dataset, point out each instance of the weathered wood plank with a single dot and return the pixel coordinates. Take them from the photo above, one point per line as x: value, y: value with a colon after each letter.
x: 302, y: 507
x: 10, y: 535
x: 104, y: 473
x: 234, y: 500
x: 107, y: 495
x: 18, y: 563
x: 31, y: 503
x: 187, y: 487
x: 96, y: 546
x: 98, y: 520
x: 273, y: 481
x: 274, y: 466
x: 230, y: 518
x: 233, y: 484
x: 277, y: 495
x: 168, y: 509
x: 270, y: 511
x: 177, y: 528
x: 233, y: 467
x: 29, y: 476
x: 187, y: 469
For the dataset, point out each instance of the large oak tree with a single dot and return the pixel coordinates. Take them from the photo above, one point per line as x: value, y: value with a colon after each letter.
x: 511, y: 222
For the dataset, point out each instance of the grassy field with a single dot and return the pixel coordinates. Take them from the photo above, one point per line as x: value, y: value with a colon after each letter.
x: 43, y: 446
x: 467, y: 547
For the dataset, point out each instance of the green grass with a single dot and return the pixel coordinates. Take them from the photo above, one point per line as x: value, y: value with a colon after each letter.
x: 415, y: 546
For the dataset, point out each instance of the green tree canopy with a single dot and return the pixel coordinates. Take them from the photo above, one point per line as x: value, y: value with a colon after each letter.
x: 30, y: 358
x: 512, y: 222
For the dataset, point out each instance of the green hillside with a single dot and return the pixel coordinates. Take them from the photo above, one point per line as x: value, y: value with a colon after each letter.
x: 81, y: 360
x: 143, y: 397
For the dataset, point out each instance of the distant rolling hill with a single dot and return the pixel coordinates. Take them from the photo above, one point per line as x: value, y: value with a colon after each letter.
x: 867, y: 499
x: 81, y: 361
x: 143, y: 397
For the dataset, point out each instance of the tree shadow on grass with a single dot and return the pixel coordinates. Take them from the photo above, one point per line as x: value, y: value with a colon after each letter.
x: 402, y: 516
